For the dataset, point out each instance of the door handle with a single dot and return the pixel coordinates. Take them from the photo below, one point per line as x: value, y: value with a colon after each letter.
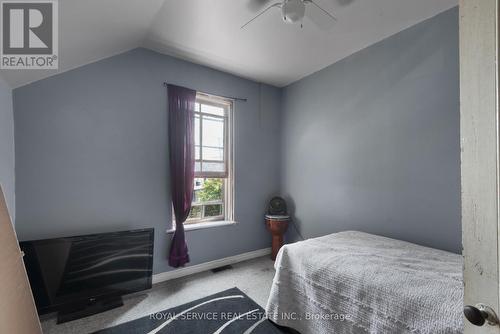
x: 480, y: 314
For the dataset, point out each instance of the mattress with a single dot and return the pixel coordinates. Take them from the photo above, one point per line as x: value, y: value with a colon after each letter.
x: 354, y: 282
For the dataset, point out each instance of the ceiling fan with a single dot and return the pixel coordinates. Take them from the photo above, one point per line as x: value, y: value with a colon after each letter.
x: 293, y: 11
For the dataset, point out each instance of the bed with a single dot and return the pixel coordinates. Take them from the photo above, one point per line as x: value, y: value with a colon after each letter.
x: 354, y: 282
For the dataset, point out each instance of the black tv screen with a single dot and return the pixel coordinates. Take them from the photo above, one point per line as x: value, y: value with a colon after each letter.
x: 76, y: 269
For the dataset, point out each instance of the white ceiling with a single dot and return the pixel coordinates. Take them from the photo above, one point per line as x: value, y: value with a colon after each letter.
x: 208, y: 33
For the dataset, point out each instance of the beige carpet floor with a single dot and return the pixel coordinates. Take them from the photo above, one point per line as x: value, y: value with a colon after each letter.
x: 254, y: 277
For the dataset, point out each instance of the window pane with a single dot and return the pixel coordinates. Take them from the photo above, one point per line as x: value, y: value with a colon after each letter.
x: 197, y: 107
x: 195, y: 213
x: 213, y: 210
x: 213, y: 153
x: 197, y: 152
x: 197, y: 167
x: 213, y: 138
x: 206, y: 108
x: 219, y: 167
x: 210, y: 190
x: 198, y: 183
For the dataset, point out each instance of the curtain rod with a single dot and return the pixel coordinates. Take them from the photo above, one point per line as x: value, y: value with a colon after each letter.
x: 214, y: 95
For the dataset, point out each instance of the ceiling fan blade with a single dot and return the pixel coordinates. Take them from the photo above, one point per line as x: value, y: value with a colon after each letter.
x: 319, y: 16
x: 344, y: 2
x: 255, y: 5
x: 278, y: 4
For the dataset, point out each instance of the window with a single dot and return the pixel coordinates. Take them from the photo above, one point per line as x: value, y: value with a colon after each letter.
x: 213, y: 192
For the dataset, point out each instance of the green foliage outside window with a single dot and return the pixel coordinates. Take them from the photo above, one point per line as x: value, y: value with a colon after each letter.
x: 213, y: 210
x: 212, y: 190
x: 195, y: 212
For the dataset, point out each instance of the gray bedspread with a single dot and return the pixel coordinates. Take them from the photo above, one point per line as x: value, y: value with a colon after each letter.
x: 354, y: 282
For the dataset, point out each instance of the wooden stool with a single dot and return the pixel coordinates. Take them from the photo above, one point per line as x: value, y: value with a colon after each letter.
x: 277, y: 225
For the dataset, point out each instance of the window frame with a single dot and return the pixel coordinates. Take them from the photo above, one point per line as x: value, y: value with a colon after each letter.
x: 192, y: 221
x: 227, y: 107
x: 227, y: 200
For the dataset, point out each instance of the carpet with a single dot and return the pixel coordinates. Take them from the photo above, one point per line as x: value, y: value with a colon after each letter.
x: 227, y: 312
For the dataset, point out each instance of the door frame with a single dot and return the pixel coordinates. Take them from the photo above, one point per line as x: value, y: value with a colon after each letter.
x: 479, y: 154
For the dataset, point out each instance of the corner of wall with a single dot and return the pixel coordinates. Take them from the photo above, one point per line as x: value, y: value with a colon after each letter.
x: 7, y: 149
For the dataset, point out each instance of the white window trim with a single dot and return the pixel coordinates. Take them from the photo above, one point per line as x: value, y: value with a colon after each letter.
x: 201, y: 226
x: 228, y: 219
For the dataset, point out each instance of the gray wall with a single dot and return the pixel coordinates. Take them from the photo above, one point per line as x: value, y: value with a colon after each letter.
x: 91, y: 153
x: 7, y: 146
x: 371, y: 143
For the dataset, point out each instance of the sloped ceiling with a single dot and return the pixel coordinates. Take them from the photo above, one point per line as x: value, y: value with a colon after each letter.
x: 208, y: 33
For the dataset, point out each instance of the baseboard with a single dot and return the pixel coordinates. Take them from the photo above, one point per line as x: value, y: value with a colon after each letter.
x: 198, y: 268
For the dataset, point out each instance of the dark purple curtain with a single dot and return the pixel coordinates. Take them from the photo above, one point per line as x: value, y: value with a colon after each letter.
x: 181, y: 103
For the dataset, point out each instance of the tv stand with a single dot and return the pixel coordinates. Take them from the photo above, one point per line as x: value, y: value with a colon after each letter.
x: 88, y: 308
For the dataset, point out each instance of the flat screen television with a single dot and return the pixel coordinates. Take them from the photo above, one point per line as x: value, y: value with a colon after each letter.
x: 82, y: 275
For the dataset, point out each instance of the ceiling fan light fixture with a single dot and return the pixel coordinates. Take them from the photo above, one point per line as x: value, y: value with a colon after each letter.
x: 293, y: 11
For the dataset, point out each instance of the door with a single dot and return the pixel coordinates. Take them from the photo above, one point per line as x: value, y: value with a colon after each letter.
x: 480, y: 160
x: 17, y: 308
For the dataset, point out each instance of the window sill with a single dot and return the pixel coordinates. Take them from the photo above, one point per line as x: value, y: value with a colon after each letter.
x: 200, y: 226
